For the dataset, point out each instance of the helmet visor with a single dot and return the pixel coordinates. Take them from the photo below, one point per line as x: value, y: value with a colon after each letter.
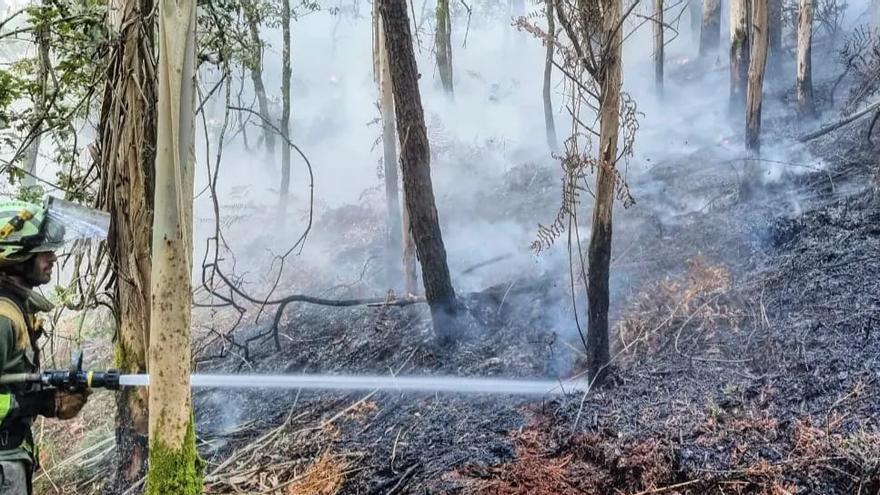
x: 66, y: 221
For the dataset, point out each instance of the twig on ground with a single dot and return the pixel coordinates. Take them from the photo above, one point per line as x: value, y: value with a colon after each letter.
x: 402, y: 478
x: 668, y: 487
x: 488, y: 262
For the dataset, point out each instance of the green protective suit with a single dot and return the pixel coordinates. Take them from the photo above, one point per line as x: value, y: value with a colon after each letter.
x: 20, y: 404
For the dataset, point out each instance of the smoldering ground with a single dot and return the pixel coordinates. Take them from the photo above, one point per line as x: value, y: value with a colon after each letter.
x: 494, y: 178
x: 495, y: 181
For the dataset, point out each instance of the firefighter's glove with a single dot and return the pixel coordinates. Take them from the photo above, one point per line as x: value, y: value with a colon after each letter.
x: 68, y: 404
x: 40, y: 402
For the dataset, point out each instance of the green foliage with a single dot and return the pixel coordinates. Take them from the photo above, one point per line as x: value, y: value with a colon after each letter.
x: 10, y: 89
x: 63, y: 295
x: 54, y: 98
x: 225, y: 34
x: 31, y: 194
x: 56, y: 101
x: 72, y: 178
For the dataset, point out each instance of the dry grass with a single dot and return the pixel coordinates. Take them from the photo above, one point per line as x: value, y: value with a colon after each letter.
x: 862, y: 451
x: 809, y: 441
x: 73, y: 452
x: 293, y: 458
x: 362, y: 410
x: 324, y: 477
x: 694, y: 301
x: 783, y: 488
x: 577, y: 464
x: 536, y: 470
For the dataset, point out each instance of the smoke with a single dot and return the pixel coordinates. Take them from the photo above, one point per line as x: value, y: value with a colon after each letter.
x: 494, y: 177
x: 494, y: 124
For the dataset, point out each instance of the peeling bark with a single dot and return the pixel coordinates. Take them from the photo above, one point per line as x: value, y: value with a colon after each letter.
x: 126, y: 155
x: 382, y: 74
x: 710, y: 31
x: 410, y: 275
x: 757, y: 65
x: 739, y: 55
x: 173, y: 467
x: 549, y: 124
x: 805, y: 105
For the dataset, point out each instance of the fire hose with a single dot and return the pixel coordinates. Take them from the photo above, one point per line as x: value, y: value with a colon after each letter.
x: 76, y: 379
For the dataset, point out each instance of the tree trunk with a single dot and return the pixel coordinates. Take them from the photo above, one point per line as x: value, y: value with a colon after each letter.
x: 874, y: 18
x: 599, y: 255
x: 739, y: 54
x: 255, y: 64
x: 41, y: 39
x: 695, y: 8
x: 173, y: 459
x: 515, y: 9
x: 804, y: 59
x: 285, y: 106
x: 549, y: 124
x: 658, y: 46
x: 126, y: 154
x: 710, y: 32
x: 382, y: 74
x: 416, y: 168
x: 774, y: 22
x: 410, y: 276
x: 443, y: 45
x: 756, y: 74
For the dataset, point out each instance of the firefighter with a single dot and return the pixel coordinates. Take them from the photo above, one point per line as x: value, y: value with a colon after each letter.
x: 29, y: 238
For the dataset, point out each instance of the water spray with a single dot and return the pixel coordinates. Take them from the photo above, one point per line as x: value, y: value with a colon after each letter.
x: 433, y: 384
x: 76, y: 379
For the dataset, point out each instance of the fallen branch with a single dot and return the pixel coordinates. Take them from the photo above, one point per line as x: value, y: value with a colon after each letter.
x: 135, y: 487
x: 482, y: 264
x: 300, y: 243
x: 340, y: 303
x: 284, y: 301
x: 840, y: 123
x: 399, y: 481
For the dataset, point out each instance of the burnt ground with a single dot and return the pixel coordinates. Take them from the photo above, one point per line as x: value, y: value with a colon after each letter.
x: 747, y: 352
x: 746, y: 341
x: 746, y: 359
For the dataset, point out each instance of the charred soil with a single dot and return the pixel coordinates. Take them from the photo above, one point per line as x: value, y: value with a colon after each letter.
x: 746, y: 361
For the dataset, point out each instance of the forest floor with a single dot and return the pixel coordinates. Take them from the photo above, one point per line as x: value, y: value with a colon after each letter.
x: 746, y: 351
x: 746, y: 356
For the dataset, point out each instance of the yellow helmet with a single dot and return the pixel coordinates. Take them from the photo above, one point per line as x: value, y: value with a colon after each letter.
x: 26, y: 228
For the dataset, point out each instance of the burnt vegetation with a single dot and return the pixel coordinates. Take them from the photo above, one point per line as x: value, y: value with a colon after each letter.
x: 725, y: 339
